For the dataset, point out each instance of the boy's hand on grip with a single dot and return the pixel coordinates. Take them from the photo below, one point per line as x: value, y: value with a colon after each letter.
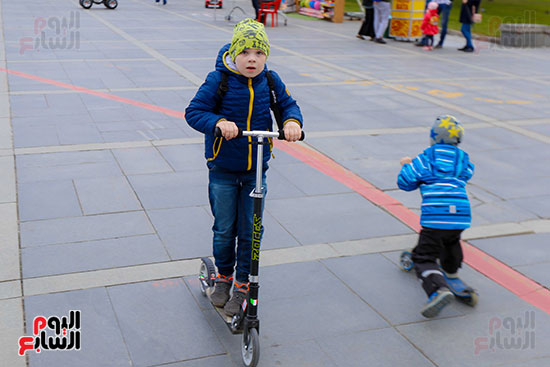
x: 293, y: 131
x: 229, y: 129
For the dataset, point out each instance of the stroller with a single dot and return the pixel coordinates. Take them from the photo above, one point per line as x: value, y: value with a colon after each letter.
x: 110, y: 4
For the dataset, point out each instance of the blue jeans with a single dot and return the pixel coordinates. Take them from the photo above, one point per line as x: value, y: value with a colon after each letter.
x: 444, y: 10
x: 164, y: 1
x: 466, y: 30
x: 232, y: 207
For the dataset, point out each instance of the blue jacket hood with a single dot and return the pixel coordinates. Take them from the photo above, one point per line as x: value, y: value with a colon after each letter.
x: 222, y: 65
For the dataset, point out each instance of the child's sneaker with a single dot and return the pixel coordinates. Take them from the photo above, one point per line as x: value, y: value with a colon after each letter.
x: 240, y: 292
x: 437, y: 300
x: 221, y: 290
x: 426, y: 48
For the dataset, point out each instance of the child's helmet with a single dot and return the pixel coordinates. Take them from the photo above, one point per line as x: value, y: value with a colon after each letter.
x: 447, y: 130
x: 433, y: 5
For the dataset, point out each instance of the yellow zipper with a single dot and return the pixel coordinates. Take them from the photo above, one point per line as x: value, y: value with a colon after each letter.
x: 250, y: 104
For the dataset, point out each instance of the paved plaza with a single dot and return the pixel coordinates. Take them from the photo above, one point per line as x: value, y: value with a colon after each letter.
x: 104, y: 207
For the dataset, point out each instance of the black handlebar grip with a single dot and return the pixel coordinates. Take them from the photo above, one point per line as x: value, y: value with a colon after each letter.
x: 282, y: 135
x: 218, y: 132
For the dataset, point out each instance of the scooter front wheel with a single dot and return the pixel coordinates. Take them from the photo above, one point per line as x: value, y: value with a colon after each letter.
x: 207, y: 274
x: 250, y: 348
x: 111, y: 4
x: 86, y: 4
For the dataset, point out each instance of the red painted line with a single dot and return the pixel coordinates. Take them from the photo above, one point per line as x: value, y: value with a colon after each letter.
x: 517, y: 283
x: 112, y: 97
x: 525, y: 288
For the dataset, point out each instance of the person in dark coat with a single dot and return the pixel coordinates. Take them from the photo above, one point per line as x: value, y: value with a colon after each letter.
x: 367, y: 28
x: 469, y: 8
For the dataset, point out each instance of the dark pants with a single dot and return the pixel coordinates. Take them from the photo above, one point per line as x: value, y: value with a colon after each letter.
x: 444, y: 11
x: 367, y: 29
x: 429, y: 39
x: 466, y: 30
x: 434, y: 244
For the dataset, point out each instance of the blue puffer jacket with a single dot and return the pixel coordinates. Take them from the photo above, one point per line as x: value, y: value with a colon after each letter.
x: 246, y: 103
x: 441, y: 171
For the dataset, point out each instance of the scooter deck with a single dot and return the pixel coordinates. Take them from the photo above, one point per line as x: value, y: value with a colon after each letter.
x: 227, y: 319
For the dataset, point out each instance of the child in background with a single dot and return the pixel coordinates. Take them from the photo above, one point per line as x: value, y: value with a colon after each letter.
x: 441, y: 173
x: 429, y: 25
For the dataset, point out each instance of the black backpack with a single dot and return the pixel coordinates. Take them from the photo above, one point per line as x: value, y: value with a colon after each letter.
x: 273, y: 104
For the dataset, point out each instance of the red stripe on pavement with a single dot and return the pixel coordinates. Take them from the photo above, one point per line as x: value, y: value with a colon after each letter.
x: 517, y: 283
x: 112, y: 97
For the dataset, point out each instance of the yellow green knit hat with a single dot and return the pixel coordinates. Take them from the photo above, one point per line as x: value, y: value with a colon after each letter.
x: 248, y: 33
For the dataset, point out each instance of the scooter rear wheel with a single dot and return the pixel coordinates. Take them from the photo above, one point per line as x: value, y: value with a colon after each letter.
x: 405, y: 260
x: 250, y: 348
x: 207, y: 274
x: 86, y: 4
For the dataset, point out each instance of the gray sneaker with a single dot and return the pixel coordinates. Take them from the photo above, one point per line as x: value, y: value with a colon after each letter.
x: 240, y: 292
x: 221, y: 290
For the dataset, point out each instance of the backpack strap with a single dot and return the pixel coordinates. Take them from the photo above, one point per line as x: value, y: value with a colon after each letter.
x: 222, y: 89
x: 274, y: 105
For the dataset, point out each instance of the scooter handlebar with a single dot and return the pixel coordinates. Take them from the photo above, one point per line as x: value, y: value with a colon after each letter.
x: 269, y: 134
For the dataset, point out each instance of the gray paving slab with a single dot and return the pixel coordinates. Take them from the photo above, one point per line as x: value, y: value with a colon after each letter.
x: 102, y: 343
x: 92, y: 255
x: 499, y: 212
x: 517, y: 250
x: 78, y: 134
x: 11, y: 326
x: 164, y: 340
x: 185, y: 232
x: 310, y: 181
x: 166, y: 190
x: 539, y: 205
x: 217, y: 361
x: 538, y: 272
x: 47, y: 200
x: 106, y: 195
x: 89, y: 228
x: 184, y: 157
x: 459, y: 346
x: 308, y: 221
x: 373, y: 278
x: 384, y: 347
x: 141, y: 161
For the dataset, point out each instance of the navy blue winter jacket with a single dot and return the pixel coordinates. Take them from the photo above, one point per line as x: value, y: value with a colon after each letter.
x: 441, y: 172
x: 246, y: 103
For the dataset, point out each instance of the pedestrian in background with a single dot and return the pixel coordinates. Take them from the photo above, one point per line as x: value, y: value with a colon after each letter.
x: 468, y: 12
x: 381, y: 16
x: 444, y: 10
x: 367, y: 28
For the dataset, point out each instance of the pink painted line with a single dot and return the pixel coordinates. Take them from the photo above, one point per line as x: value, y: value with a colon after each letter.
x: 112, y: 97
x: 525, y: 288
x: 517, y: 283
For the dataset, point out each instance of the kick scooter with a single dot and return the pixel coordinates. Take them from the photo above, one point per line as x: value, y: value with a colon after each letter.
x: 463, y: 292
x: 246, y: 320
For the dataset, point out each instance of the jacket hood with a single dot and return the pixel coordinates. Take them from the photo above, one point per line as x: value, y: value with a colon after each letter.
x: 222, y: 65
x: 447, y: 160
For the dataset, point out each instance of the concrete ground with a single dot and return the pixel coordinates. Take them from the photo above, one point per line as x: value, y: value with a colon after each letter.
x: 103, y: 199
